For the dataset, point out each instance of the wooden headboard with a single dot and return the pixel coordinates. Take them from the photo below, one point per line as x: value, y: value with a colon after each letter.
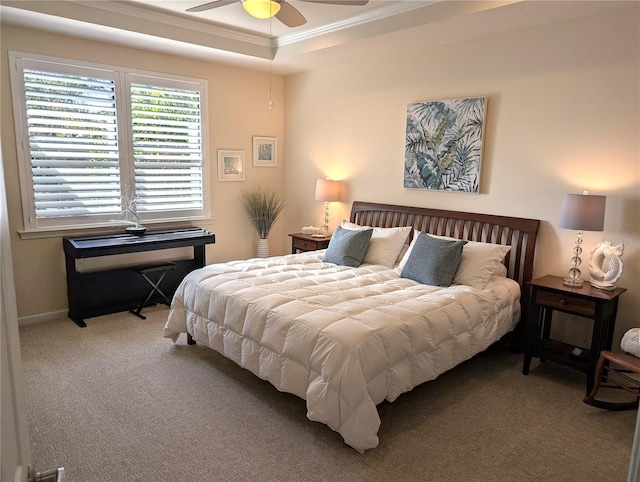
x: 519, y: 233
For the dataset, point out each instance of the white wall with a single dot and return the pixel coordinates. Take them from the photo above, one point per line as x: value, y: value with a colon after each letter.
x: 563, y: 116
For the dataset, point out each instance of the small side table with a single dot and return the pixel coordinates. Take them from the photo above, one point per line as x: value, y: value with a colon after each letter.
x: 547, y: 295
x: 305, y: 242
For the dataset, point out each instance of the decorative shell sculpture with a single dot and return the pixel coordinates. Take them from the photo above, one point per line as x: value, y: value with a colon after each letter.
x: 605, y: 256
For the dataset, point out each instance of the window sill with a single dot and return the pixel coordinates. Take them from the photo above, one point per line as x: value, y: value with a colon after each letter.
x: 107, y: 229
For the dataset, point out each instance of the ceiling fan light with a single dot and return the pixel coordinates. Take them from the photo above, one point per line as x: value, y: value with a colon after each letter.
x: 261, y: 8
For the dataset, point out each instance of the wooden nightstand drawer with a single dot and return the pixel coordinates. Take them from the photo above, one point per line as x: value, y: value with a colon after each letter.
x: 303, y: 244
x: 562, y: 301
x: 306, y: 242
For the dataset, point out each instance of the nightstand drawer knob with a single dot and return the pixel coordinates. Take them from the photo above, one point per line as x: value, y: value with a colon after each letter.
x: 563, y: 301
x: 304, y: 245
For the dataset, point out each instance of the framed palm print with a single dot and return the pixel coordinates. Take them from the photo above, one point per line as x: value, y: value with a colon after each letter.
x: 443, y: 145
x: 264, y: 151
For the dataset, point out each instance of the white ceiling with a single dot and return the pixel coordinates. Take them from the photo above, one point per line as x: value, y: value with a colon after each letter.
x: 333, y: 33
x: 317, y: 15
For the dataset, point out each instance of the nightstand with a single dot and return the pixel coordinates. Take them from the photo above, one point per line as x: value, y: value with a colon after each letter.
x: 305, y: 242
x: 548, y: 294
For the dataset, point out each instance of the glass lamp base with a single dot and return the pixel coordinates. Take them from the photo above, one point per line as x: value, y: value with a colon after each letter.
x: 573, y: 282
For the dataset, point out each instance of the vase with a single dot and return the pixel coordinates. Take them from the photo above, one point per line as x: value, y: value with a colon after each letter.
x: 263, y: 248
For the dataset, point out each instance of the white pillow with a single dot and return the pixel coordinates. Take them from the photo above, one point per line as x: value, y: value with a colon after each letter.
x: 405, y: 258
x: 403, y: 251
x: 500, y: 271
x: 385, y: 244
x: 479, y: 261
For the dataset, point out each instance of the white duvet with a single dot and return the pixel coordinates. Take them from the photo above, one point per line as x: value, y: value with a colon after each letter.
x: 344, y: 339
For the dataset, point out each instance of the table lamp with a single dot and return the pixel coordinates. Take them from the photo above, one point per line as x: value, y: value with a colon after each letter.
x: 328, y: 191
x: 583, y: 212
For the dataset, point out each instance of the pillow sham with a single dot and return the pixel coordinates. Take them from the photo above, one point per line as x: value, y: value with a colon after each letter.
x: 347, y: 247
x: 433, y: 261
x: 500, y: 271
x: 385, y: 244
x: 478, y: 263
x: 403, y: 251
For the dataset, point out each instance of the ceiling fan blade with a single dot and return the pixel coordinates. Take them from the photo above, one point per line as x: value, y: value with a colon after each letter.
x: 210, y: 5
x: 289, y: 15
x: 357, y: 3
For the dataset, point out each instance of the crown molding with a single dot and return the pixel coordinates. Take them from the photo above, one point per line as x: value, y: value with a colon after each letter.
x: 160, y: 17
x: 353, y: 21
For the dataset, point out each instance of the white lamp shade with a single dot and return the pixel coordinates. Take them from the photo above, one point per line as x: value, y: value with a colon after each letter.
x: 583, y: 212
x: 261, y: 8
x: 329, y: 191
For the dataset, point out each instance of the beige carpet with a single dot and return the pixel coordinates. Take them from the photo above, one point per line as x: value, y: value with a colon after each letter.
x: 117, y: 402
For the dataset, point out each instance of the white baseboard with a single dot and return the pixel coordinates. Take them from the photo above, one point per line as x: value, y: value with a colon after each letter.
x: 39, y: 318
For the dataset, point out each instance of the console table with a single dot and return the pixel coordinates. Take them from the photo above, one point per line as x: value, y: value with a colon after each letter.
x: 102, y: 292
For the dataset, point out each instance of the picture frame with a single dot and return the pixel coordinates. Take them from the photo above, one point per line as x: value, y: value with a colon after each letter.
x: 230, y: 165
x: 264, y: 151
x: 444, y: 145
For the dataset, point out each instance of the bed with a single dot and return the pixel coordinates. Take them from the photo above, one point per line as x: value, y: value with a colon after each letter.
x: 345, y: 338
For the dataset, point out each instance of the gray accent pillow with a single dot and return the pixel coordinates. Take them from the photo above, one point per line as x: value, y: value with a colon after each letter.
x: 433, y: 261
x: 348, y: 247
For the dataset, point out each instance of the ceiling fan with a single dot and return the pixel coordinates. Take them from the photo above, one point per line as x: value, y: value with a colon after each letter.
x: 281, y: 9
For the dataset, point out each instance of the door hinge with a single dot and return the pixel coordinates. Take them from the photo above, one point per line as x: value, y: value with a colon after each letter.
x: 53, y: 475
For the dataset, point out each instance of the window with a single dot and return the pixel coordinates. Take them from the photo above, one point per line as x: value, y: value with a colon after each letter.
x: 93, y: 140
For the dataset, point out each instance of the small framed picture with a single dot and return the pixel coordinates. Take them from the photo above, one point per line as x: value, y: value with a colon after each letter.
x: 264, y: 151
x: 230, y: 165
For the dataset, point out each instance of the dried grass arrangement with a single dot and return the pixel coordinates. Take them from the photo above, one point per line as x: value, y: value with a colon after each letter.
x: 263, y: 208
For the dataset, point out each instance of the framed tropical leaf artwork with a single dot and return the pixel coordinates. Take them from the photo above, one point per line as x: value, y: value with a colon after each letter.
x: 443, y: 145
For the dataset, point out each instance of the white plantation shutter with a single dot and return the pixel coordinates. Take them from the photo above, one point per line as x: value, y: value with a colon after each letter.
x: 73, y: 141
x: 93, y: 136
x: 167, y: 146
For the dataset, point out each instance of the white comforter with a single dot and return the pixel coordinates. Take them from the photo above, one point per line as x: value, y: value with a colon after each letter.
x: 344, y: 339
